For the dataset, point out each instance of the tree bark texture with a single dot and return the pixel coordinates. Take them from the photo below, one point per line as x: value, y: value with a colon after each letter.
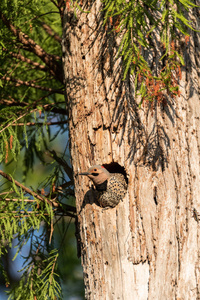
x: 148, y: 246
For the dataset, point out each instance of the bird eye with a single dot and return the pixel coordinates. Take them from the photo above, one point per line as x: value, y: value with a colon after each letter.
x: 95, y: 170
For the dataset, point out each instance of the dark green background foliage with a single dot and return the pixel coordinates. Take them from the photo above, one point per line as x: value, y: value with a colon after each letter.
x: 35, y: 152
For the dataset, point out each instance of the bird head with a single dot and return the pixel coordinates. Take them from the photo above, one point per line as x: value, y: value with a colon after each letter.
x: 97, y: 173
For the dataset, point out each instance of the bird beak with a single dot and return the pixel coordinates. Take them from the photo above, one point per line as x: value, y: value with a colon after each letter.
x: 84, y: 173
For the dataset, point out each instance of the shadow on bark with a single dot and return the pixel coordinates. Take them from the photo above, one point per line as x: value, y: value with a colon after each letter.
x: 89, y: 198
x: 149, y: 147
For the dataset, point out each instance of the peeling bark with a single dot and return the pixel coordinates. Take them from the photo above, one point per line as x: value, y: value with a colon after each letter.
x: 148, y: 246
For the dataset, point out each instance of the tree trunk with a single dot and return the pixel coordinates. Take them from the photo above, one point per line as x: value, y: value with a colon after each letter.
x: 148, y: 245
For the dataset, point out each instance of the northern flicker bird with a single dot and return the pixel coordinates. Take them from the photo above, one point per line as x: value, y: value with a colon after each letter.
x: 110, y: 187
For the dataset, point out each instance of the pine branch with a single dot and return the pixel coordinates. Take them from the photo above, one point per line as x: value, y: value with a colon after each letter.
x: 60, y: 4
x: 15, y: 199
x: 53, y: 267
x: 51, y: 32
x: 64, y: 210
x: 64, y: 186
x: 21, y: 213
x: 50, y: 60
x: 27, y: 190
x: 13, y: 102
x: 41, y: 15
x: 54, y: 2
x: 64, y: 164
x: 21, y: 116
x: 29, y: 83
x: 28, y: 61
x: 41, y: 123
x: 6, y: 193
x: 52, y: 108
x: 47, y: 107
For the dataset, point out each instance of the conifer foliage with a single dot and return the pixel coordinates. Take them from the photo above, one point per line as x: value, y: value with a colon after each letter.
x: 33, y: 114
x: 151, y: 33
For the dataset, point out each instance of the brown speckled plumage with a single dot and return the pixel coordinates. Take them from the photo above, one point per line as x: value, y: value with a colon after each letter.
x: 111, y: 187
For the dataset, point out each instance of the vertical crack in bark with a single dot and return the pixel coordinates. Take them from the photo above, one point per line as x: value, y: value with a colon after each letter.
x: 177, y: 224
x: 189, y: 203
x: 120, y: 256
x: 197, y: 266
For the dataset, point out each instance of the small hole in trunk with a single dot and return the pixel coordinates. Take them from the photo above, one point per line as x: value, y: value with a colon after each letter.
x: 116, y: 168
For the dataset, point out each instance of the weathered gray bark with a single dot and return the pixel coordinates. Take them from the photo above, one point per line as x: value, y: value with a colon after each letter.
x: 148, y: 246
